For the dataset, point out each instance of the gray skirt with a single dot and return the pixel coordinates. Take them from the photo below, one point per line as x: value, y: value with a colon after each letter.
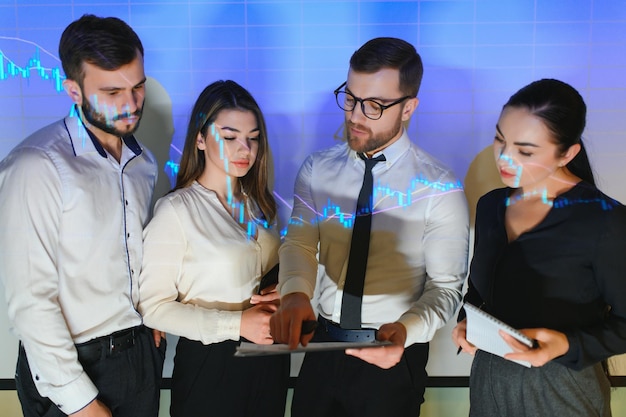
x: 501, y: 388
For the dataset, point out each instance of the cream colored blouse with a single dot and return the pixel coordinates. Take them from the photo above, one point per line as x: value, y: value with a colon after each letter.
x: 200, y: 266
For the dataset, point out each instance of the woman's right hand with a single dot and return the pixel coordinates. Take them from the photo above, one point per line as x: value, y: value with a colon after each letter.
x: 458, y: 337
x: 255, y: 323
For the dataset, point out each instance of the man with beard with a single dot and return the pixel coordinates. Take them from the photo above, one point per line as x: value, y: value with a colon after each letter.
x: 413, y: 269
x: 75, y: 198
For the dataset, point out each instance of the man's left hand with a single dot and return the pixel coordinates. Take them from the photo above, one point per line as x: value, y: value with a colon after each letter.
x: 385, y: 356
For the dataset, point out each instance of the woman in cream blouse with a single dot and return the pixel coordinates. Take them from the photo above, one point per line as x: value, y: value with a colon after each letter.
x: 210, y: 241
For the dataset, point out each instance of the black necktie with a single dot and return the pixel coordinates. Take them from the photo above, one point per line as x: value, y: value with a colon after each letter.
x: 359, y: 247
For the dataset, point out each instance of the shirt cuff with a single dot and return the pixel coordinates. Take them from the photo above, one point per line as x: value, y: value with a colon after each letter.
x: 415, y: 329
x: 571, y: 358
x: 228, y: 327
x: 74, y: 396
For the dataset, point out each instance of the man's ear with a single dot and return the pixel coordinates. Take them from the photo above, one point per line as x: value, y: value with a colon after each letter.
x: 73, y: 90
x: 409, y: 107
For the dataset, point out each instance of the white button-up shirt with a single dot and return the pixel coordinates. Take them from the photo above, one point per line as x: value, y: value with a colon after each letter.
x: 71, y: 221
x: 418, y: 246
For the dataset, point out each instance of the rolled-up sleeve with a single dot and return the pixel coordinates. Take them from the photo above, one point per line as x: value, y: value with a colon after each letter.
x: 298, y: 254
x: 445, y: 245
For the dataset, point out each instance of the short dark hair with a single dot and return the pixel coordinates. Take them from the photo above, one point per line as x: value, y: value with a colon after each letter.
x: 394, y: 53
x: 106, y: 42
x: 564, y: 112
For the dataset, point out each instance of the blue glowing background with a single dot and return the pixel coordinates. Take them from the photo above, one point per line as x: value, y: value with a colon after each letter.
x: 291, y: 55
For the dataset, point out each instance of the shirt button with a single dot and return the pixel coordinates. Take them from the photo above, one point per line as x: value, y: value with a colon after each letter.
x: 127, y: 234
x: 36, y: 377
x: 126, y: 201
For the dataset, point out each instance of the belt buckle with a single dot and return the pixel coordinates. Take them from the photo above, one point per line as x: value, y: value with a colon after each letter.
x: 360, y: 335
x: 127, y: 340
x: 338, y: 333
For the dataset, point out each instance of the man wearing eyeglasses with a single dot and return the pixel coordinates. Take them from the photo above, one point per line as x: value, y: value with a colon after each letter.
x: 416, y: 227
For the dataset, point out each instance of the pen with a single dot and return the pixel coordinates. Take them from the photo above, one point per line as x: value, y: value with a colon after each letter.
x: 459, y: 350
x: 535, y: 344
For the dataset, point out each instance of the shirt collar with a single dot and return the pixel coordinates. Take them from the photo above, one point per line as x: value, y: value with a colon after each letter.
x: 79, y: 134
x: 391, y: 152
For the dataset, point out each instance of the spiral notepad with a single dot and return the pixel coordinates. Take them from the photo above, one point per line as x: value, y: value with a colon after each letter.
x: 482, y: 332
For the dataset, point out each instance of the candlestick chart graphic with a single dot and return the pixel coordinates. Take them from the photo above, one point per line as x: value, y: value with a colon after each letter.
x: 50, y: 72
x: 24, y: 63
x: 34, y: 67
x: 31, y: 90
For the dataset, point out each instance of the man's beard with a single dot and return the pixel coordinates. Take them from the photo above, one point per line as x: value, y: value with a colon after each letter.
x: 374, y: 141
x: 94, y: 118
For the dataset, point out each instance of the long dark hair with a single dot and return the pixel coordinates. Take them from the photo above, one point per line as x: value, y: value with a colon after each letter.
x: 564, y: 113
x: 218, y: 96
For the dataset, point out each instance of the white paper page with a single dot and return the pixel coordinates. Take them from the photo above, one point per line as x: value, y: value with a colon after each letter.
x: 482, y: 332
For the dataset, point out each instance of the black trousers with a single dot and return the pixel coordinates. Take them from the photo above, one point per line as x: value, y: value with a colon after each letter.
x: 209, y: 381
x: 128, y: 381
x: 333, y: 384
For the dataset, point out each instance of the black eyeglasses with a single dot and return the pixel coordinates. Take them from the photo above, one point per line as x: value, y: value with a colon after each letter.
x: 370, y: 108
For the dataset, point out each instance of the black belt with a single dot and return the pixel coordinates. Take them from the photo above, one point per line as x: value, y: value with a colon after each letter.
x: 114, y: 343
x: 333, y: 331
